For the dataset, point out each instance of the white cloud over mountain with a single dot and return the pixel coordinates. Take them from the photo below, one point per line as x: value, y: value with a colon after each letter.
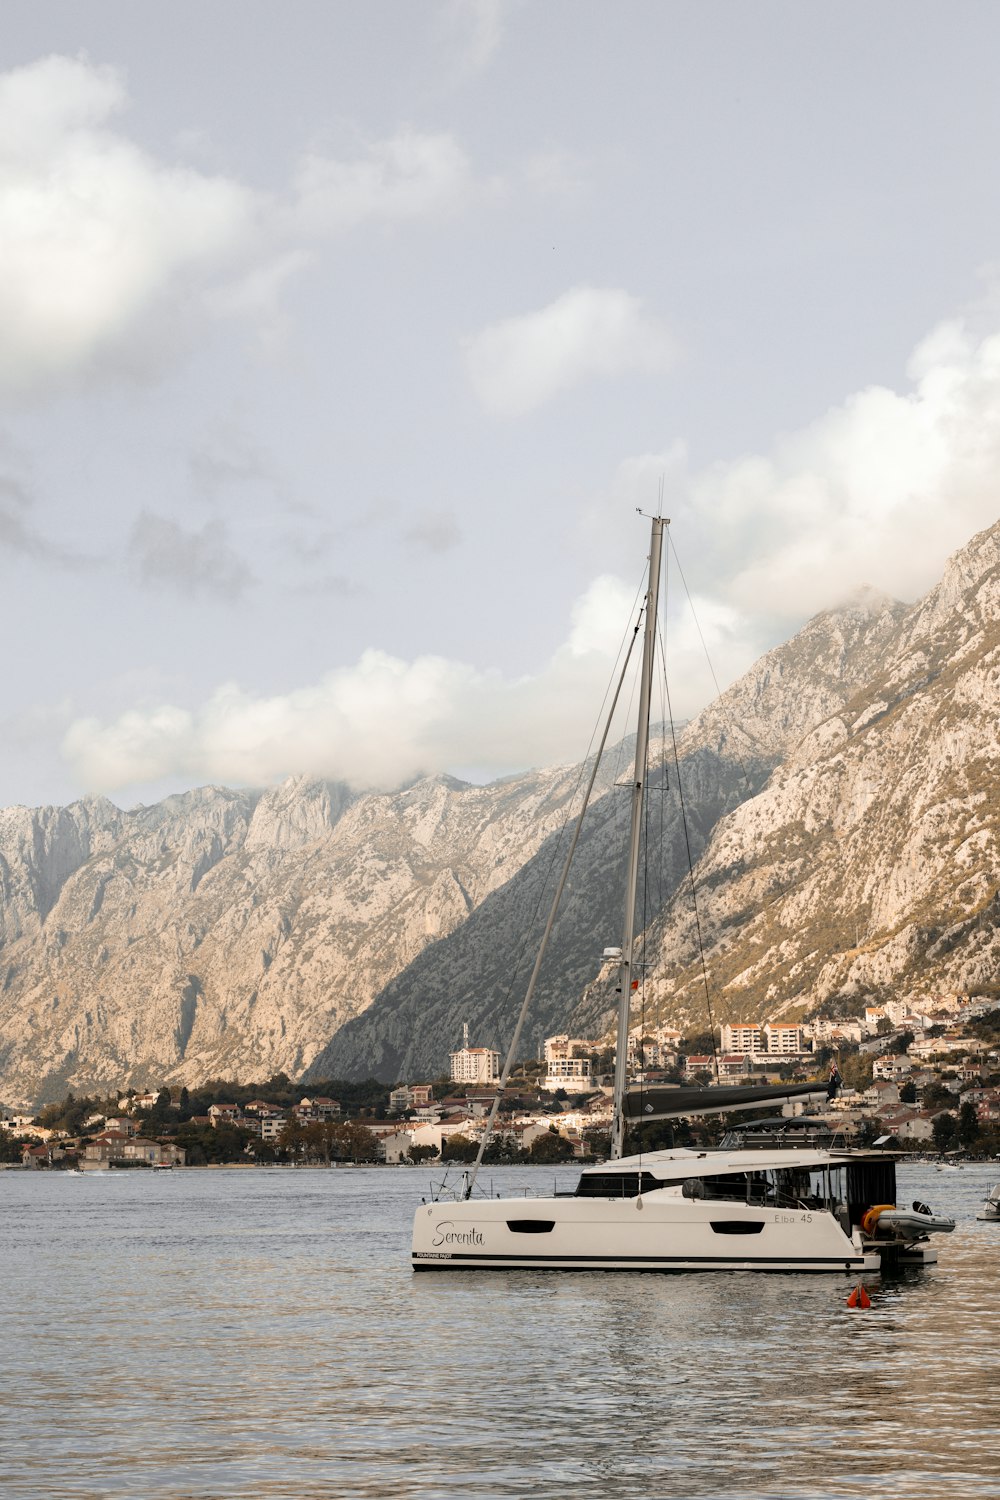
x: 386, y: 720
x: 339, y: 371
x: 877, y: 490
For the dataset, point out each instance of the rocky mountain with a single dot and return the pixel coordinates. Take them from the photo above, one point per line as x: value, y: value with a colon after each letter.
x: 725, y: 755
x: 872, y: 857
x: 225, y: 933
x: 840, y: 808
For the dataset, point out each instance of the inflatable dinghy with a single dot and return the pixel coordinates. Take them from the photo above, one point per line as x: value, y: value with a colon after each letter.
x: 888, y: 1221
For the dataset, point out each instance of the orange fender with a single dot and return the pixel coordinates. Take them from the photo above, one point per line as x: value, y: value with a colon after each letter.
x: 870, y: 1219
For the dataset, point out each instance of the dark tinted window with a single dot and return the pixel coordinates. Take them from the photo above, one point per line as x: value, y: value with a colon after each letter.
x: 616, y: 1184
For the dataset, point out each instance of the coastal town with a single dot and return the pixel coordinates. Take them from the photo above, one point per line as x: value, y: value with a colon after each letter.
x: 917, y: 1077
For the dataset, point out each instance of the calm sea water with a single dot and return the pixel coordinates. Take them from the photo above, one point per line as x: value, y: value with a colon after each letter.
x: 207, y: 1334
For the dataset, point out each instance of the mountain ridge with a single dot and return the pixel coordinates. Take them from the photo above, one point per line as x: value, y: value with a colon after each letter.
x: 846, y: 781
x: 870, y: 858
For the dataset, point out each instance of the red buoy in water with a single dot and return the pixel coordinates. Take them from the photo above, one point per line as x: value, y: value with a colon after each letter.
x: 859, y: 1297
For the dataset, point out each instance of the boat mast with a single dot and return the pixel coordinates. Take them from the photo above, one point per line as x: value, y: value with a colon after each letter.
x: 638, y: 796
x: 470, y: 1177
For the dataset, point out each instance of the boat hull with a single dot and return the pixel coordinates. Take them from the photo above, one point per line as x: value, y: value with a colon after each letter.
x: 651, y: 1233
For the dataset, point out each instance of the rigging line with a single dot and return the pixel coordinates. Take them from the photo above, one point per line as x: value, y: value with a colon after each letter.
x: 528, y: 928
x: 619, y: 816
x: 694, y: 888
x: 718, y: 691
x: 509, y: 1060
x: 620, y: 807
x: 624, y: 645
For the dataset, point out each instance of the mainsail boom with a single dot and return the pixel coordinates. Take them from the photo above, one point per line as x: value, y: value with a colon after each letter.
x: 642, y: 1103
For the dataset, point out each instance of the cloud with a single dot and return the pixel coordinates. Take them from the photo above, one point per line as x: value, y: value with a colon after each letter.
x: 227, y: 460
x: 113, y: 262
x: 601, y: 615
x: 196, y: 563
x: 435, y: 531
x: 406, y: 177
x: 95, y: 235
x: 381, y: 721
x: 556, y: 172
x: 17, y: 536
x: 517, y: 365
x: 473, y: 31
x: 20, y: 538
x: 878, y: 490
x: 375, y: 723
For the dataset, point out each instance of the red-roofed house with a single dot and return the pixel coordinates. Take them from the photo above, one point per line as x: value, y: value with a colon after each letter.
x: 701, y: 1064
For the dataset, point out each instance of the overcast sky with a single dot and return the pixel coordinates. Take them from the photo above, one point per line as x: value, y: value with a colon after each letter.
x: 339, y: 342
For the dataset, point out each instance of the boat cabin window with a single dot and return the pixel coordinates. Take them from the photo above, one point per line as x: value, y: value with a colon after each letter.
x: 730, y: 1187
x: 616, y: 1184
x: 776, y: 1187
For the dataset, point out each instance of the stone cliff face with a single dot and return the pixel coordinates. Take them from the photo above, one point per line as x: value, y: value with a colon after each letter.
x: 226, y: 933
x: 841, y: 809
x: 726, y: 754
x: 872, y: 856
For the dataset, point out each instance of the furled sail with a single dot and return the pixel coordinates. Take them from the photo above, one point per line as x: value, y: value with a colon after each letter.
x: 659, y: 1103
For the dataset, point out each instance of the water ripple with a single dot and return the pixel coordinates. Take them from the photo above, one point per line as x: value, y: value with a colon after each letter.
x: 207, y: 1335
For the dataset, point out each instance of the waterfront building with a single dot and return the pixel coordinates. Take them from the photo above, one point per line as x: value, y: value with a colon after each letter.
x: 653, y: 1049
x: 115, y: 1148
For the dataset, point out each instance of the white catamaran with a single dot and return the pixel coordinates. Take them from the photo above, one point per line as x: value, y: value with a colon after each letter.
x: 757, y: 1202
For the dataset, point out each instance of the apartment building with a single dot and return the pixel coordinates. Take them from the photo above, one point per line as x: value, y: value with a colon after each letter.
x: 742, y: 1037
x: 474, y: 1065
x: 782, y: 1038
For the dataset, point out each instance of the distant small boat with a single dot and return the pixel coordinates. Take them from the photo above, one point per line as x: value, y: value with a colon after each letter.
x: 991, y: 1203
